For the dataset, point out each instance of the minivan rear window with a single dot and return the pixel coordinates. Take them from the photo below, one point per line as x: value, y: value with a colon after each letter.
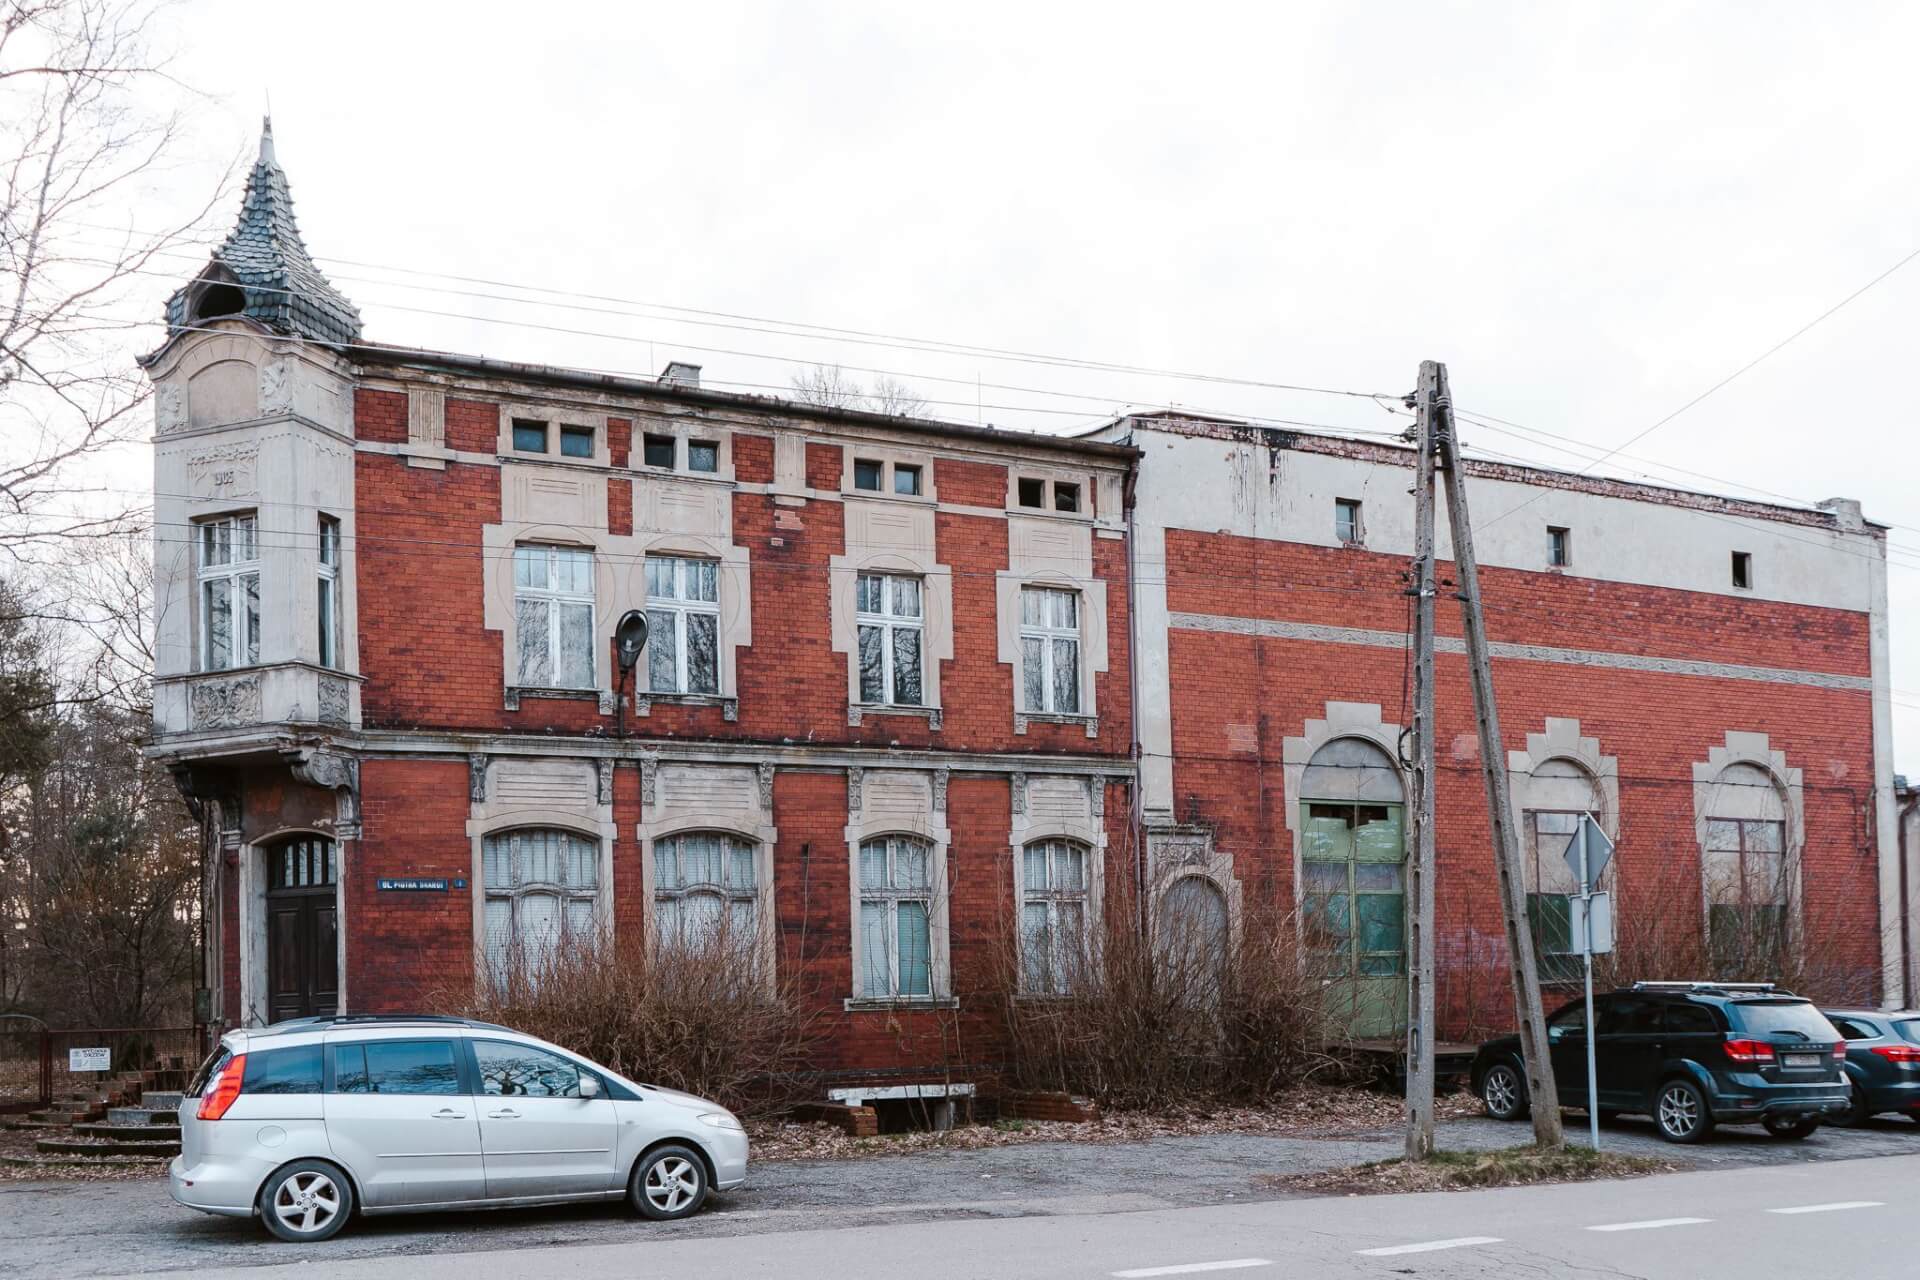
x: 1910, y: 1029
x: 1789, y: 1018
x: 291, y: 1070
x: 215, y: 1060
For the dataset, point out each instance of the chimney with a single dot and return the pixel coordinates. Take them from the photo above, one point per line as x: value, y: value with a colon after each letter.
x: 679, y: 373
x: 1845, y: 512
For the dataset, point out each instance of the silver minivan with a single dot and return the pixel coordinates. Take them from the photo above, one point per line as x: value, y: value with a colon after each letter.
x: 305, y: 1122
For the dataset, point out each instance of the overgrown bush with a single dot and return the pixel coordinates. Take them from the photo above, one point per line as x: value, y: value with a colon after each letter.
x: 706, y: 1016
x: 1178, y: 1017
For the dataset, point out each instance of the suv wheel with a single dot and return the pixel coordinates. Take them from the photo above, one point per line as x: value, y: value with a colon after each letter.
x: 1856, y: 1113
x: 1504, y: 1092
x: 308, y: 1200
x: 1792, y: 1128
x: 669, y: 1182
x: 1681, y: 1113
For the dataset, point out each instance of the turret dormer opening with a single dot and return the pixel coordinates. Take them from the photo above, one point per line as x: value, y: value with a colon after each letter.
x: 219, y: 299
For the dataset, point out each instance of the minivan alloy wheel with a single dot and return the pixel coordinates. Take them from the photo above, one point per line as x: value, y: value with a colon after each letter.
x: 672, y: 1183
x: 307, y: 1204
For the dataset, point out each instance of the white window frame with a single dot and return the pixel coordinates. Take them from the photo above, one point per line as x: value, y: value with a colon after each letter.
x: 520, y: 888
x: 1559, y: 547
x: 235, y: 574
x: 889, y: 623
x: 555, y: 596
x: 893, y: 896
x: 680, y: 606
x: 1048, y: 633
x: 330, y: 628
x: 1358, y: 534
x: 1063, y: 953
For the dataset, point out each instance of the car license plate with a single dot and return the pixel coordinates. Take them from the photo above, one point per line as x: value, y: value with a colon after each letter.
x: 1801, y: 1060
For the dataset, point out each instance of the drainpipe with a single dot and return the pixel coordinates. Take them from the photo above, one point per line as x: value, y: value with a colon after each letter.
x: 1136, y: 813
x: 1902, y: 820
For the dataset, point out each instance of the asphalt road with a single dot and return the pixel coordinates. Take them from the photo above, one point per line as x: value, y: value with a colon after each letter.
x: 1841, y: 1218
x: 95, y: 1228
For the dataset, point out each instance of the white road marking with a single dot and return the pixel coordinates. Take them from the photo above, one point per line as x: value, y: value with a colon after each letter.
x: 1429, y: 1246
x: 1650, y: 1224
x: 1188, y: 1268
x: 1829, y: 1208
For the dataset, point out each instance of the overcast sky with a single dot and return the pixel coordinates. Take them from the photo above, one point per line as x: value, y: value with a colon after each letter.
x: 1592, y: 212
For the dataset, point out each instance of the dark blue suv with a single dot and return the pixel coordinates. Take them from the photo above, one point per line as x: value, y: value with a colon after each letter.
x: 1690, y: 1054
x: 1883, y: 1061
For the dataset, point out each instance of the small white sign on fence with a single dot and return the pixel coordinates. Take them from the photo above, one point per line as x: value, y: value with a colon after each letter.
x: 100, y: 1059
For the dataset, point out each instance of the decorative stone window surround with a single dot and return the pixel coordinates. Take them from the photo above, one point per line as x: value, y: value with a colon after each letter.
x: 884, y: 802
x: 731, y: 799
x: 889, y: 456
x: 1045, y: 552
x: 1059, y: 807
x: 508, y: 792
x: 893, y: 538
x: 555, y: 414
x: 1713, y: 800
x: 1048, y: 478
x: 1343, y: 720
x: 673, y: 515
x: 682, y: 428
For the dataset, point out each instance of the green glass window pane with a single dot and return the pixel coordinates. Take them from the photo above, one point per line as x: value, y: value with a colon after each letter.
x: 1380, y: 966
x: 1382, y: 921
x: 1378, y: 877
x: 1328, y: 918
x: 1324, y: 877
x: 1328, y: 839
x: 1380, y: 840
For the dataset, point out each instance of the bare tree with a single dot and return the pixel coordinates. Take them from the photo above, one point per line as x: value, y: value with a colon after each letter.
x: 832, y: 387
x: 79, y: 136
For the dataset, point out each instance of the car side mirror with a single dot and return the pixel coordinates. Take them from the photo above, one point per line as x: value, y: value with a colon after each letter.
x: 589, y: 1087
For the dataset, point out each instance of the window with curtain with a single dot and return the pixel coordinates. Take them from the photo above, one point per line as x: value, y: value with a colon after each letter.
x: 896, y: 909
x: 553, y: 603
x: 1050, y: 650
x: 229, y: 574
x: 889, y: 613
x: 704, y: 889
x: 683, y: 625
x: 1053, y: 915
x: 540, y: 888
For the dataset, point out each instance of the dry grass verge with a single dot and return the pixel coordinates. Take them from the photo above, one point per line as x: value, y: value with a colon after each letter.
x: 1469, y: 1170
x: 1309, y: 1111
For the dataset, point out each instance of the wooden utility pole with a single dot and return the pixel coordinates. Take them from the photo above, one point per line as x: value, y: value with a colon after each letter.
x: 1493, y: 763
x: 1419, y: 1106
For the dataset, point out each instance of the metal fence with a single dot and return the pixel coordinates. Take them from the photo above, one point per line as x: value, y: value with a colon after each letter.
x: 39, y: 1064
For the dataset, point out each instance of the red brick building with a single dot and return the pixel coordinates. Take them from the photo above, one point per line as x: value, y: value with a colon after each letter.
x: 885, y: 717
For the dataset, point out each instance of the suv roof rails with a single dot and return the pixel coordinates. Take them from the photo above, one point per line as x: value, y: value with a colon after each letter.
x: 376, y: 1019
x: 1725, y: 988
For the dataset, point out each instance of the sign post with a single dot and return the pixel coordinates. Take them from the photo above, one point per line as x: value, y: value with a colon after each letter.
x: 1592, y: 927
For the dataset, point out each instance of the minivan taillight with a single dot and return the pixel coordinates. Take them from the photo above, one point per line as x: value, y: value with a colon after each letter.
x: 1840, y: 1052
x: 1749, y: 1051
x: 223, y: 1088
x: 1906, y: 1055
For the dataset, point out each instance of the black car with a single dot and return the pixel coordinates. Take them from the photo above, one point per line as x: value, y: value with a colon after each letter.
x: 1883, y: 1061
x: 1689, y: 1054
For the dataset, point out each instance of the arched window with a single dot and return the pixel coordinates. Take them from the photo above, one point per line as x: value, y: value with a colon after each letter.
x: 541, y: 887
x: 1556, y: 793
x: 704, y: 889
x: 896, y: 910
x: 1353, y: 883
x: 219, y: 300
x: 1053, y: 914
x: 1745, y: 873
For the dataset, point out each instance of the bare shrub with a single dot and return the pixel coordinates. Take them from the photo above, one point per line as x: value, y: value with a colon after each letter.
x: 1172, y: 1018
x: 703, y: 1014
x: 1804, y: 958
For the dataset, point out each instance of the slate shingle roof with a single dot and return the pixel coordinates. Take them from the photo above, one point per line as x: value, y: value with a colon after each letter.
x: 266, y: 257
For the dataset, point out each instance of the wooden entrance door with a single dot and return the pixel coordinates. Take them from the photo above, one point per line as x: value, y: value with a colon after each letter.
x: 303, y: 972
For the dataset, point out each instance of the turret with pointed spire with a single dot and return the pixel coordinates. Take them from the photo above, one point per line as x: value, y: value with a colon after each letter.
x: 263, y: 270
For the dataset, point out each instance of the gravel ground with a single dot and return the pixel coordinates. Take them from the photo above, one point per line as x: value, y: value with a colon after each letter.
x: 82, y: 1229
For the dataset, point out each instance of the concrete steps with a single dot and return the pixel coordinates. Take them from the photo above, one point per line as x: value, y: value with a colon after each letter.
x: 129, y: 1132
x: 104, y: 1147
x: 140, y: 1115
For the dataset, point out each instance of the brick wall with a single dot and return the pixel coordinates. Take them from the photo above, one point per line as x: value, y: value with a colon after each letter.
x: 403, y: 947
x: 1236, y: 698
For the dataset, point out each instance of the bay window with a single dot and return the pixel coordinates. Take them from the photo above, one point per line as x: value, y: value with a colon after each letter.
x: 229, y: 574
x: 328, y: 610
